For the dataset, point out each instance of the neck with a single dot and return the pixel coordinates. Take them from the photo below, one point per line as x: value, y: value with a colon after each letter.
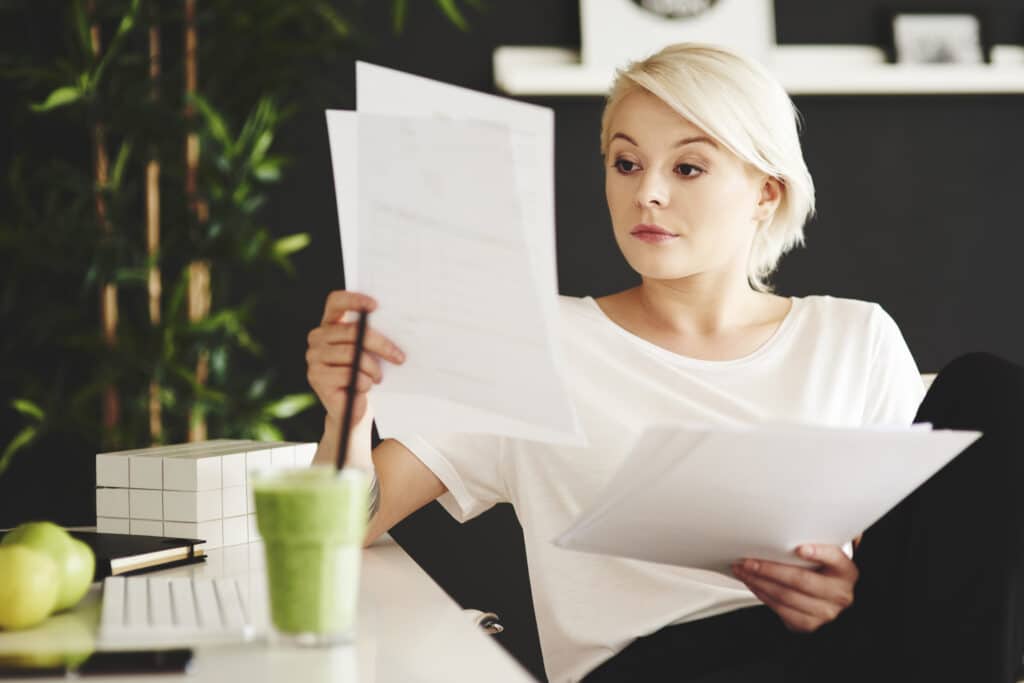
x: 701, y: 304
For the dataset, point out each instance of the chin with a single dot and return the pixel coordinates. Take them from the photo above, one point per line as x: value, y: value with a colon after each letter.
x: 659, y: 268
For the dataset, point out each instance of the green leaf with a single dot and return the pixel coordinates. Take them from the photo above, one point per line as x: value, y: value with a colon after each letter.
x: 260, y: 147
x: 341, y: 27
x: 290, y: 405
x: 128, y: 20
x: 60, y: 97
x: 291, y: 244
x: 454, y: 14
x: 258, y: 388
x: 122, y: 159
x: 82, y: 28
x: 398, y: 12
x: 22, y: 440
x: 268, y: 170
x: 215, y: 123
x: 28, y: 408
x: 264, y: 431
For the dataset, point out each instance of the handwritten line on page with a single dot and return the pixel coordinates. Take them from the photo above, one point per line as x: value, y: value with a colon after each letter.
x: 433, y: 226
x: 704, y: 498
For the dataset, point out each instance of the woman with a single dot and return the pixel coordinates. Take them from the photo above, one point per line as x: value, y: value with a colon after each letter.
x: 707, y: 188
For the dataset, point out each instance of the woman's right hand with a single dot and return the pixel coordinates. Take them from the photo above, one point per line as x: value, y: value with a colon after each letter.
x: 331, y: 349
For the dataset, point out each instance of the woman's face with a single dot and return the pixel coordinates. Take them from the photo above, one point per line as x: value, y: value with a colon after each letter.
x: 680, y: 203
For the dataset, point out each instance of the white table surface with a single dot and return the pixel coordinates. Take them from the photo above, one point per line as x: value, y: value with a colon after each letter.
x: 409, y: 631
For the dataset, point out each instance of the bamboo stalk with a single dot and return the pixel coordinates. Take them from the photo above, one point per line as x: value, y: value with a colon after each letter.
x: 108, y: 292
x: 199, y: 271
x: 154, y: 283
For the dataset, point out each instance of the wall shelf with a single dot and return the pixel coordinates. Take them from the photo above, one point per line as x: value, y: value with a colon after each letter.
x: 802, y: 69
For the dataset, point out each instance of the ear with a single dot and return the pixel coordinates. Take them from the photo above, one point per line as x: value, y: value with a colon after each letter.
x: 769, y: 198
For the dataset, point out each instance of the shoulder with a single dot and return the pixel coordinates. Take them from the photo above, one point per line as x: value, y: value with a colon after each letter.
x: 837, y: 311
x: 851, y: 323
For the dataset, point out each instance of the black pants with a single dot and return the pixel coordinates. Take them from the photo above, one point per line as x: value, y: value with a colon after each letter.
x: 941, y: 589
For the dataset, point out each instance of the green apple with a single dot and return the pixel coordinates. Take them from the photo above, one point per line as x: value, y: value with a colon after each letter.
x: 28, y: 586
x: 74, y: 559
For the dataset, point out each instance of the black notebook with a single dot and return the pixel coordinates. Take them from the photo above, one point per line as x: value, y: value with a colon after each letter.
x: 124, y: 554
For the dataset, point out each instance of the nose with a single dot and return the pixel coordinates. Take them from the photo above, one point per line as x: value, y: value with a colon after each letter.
x: 652, y: 191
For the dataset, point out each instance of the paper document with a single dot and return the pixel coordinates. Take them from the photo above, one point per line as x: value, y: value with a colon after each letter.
x: 705, y: 498
x: 445, y: 206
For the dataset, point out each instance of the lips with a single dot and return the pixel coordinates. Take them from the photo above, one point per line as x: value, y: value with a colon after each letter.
x: 652, y: 234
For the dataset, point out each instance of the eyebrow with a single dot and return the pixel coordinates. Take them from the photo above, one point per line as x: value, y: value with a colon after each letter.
x: 685, y: 141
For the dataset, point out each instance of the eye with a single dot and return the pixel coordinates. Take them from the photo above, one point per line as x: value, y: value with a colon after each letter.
x: 689, y: 170
x: 625, y: 166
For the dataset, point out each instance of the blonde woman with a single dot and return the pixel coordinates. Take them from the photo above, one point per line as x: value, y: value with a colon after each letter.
x: 707, y: 188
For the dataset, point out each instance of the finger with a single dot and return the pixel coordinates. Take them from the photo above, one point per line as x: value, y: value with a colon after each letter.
x: 346, y: 333
x: 340, y: 301
x: 343, y: 356
x: 831, y: 557
x: 807, y: 581
x: 819, y: 607
x: 793, y: 619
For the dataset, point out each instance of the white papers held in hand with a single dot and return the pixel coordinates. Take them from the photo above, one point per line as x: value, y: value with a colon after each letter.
x: 446, y: 217
x: 704, y: 498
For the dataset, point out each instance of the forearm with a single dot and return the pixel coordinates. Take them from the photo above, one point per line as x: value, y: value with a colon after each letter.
x: 359, y: 455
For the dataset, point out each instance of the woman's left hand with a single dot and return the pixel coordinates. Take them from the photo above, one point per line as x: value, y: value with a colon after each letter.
x: 804, y: 598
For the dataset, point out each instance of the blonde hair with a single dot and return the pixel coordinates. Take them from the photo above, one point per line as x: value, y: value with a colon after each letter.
x: 739, y: 104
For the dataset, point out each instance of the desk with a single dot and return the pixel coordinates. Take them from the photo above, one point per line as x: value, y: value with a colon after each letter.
x: 409, y: 631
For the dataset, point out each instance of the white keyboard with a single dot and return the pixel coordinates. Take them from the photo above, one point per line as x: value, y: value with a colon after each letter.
x: 153, y: 611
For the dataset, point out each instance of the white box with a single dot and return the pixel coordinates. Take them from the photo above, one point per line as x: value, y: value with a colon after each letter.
x: 145, y: 468
x: 145, y: 504
x: 211, y: 532
x: 232, y: 501
x: 192, y: 506
x: 110, y: 525
x: 257, y: 459
x: 236, y: 530
x: 232, y: 469
x: 254, y: 530
x: 282, y: 456
x: 112, y: 503
x: 197, y: 471
x: 145, y: 527
x: 111, y: 470
x: 144, y: 471
x: 304, y: 454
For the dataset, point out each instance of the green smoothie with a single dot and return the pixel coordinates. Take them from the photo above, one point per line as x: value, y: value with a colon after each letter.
x: 312, y: 521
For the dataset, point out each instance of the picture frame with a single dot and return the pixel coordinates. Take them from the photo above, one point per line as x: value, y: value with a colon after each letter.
x: 938, y: 37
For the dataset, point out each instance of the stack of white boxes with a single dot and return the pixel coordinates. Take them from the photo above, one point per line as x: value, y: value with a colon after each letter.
x: 193, y: 490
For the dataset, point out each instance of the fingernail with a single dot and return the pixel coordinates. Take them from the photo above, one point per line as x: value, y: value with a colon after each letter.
x: 751, y: 565
x: 807, y: 551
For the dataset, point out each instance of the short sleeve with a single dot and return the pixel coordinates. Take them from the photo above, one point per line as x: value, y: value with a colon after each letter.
x: 895, y: 388
x: 469, y: 465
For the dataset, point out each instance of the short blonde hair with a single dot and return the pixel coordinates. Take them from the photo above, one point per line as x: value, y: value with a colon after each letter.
x: 739, y: 104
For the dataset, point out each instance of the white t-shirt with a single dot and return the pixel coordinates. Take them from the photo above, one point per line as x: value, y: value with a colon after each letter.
x: 832, y: 361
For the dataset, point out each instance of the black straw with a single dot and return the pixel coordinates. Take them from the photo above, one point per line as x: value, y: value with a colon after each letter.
x: 346, y: 423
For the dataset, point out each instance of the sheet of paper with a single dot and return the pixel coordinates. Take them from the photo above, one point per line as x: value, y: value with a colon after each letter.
x: 442, y: 249
x: 343, y: 138
x: 502, y: 372
x: 706, y: 498
x: 380, y: 90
